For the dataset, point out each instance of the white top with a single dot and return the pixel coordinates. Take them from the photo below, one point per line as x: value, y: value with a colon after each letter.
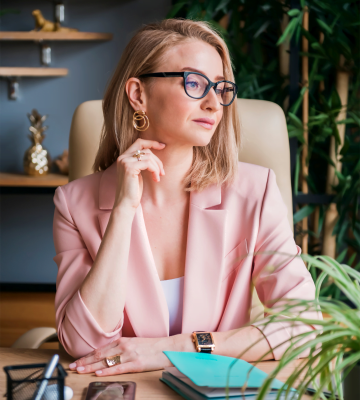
x: 174, y: 290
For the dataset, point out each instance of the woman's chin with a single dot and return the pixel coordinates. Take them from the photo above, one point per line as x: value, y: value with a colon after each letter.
x: 201, y: 144
x: 201, y: 139
x: 195, y: 139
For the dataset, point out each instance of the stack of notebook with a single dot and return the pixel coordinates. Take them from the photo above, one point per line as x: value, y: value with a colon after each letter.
x: 198, y: 376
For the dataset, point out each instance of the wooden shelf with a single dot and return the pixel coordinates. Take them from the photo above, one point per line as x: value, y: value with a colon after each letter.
x: 32, y: 72
x: 22, y: 180
x: 13, y: 35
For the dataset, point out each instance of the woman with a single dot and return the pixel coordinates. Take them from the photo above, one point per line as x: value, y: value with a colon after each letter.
x: 160, y: 241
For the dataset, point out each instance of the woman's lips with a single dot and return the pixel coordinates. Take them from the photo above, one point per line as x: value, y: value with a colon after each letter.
x: 205, y: 122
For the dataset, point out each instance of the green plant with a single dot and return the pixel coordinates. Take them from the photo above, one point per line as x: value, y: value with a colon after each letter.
x: 334, y: 49
x: 257, y: 39
x: 334, y: 346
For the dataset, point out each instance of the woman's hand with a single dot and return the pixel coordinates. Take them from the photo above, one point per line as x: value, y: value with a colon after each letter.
x: 130, y: 183
x: 136, y: 354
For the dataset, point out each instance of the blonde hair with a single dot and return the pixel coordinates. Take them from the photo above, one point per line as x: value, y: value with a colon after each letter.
x: 215, y: 163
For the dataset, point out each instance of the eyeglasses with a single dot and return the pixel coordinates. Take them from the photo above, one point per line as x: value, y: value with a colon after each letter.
x: 197, y: 85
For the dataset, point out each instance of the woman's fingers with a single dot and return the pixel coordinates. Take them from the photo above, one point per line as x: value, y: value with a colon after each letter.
x: 146, y: 163
x: 96, y: 355
x: 125, y: 368
x: 136, y: 355
x: 86, y: 369
x: 131, y: 151
x: 130, y: 182
x: 157, y: 160
x: 125, y: 358
x: 141, y: 144
x: 97, y: 362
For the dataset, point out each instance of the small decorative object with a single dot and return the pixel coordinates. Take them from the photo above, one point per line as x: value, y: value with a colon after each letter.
x: 36, y: 159
x: 44, y: 25
x: 63, y: 162
x: 45, y: 54
x: 59, y: 11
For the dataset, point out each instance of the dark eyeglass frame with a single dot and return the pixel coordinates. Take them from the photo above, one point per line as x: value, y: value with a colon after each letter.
x: 185, y: 75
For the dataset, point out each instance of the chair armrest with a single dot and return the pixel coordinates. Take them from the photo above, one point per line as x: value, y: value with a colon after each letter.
x: 34, y: 338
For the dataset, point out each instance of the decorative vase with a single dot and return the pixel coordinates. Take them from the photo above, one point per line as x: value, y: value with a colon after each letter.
x: 37, y: 160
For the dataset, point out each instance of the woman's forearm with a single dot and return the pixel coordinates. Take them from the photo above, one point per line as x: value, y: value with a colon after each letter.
x: 104, y: 288
x: 231, y: 344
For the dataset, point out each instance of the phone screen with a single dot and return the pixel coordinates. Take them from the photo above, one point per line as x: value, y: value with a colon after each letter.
x: 111, y: 391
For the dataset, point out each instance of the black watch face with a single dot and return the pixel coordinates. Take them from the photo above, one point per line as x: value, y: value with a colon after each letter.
x: 204, y: 339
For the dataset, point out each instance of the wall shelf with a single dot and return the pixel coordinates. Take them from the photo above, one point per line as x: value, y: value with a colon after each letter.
x: 50, y: 36
x: 42, y: 38
x: 22, y: 180
x: 14, y: 73
x: 32, y: 72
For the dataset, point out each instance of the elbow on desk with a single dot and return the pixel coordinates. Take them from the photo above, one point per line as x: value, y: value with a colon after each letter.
x: 73, y: 343
x: 78, y: 330
x: 80, y: 340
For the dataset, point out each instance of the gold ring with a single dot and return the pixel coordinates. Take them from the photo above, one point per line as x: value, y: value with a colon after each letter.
x: 138, y: 154
x: 111, y: 361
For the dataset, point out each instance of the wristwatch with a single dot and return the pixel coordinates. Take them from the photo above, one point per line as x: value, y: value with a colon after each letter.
x: 204, y: 341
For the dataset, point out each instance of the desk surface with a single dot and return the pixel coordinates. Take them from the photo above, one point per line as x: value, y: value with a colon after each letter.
x: 148, y: 385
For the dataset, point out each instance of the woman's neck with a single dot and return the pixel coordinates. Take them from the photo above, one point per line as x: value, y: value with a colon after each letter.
x: 170, y: 190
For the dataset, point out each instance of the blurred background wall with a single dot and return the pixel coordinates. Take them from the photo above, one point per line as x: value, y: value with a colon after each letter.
x: 26, y: 244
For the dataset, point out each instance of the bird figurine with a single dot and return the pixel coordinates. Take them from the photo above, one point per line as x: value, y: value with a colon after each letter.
x: 44, y: 25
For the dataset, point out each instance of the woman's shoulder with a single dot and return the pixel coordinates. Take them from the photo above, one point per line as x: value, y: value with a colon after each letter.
x: 252, y: 170
x: 251, y: 179
x: 79, y: 190
x: 85, y: 183
x: 249, y: 186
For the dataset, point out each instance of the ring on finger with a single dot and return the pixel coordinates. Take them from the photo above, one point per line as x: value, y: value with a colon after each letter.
x: 111, y: 361
x: 138, y: 154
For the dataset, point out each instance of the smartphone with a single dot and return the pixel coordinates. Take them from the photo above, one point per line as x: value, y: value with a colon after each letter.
x: 111, y: 391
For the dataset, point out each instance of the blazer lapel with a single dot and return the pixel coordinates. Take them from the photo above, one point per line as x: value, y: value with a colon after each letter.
x: 145, y: 300
x: 204, y: 257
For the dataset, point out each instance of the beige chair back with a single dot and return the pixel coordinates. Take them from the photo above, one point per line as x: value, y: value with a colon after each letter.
x: 265, y: 142
x: 264, y: 137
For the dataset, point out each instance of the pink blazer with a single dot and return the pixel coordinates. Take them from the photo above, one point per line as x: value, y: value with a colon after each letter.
x: 227, y: 225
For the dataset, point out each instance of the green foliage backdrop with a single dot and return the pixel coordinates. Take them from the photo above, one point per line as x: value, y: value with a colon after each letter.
x: 254, y: 32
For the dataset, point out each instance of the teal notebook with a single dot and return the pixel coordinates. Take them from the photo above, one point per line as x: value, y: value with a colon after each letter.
x: 212, y: 370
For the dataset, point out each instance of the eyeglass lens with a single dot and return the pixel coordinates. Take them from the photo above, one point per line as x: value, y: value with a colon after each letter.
x: 196, y: 86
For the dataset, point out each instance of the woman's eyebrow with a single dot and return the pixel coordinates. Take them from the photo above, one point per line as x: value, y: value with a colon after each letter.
x: 219, y: 77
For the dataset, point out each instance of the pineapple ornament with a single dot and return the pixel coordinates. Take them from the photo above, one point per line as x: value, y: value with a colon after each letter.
x: 36, y: 159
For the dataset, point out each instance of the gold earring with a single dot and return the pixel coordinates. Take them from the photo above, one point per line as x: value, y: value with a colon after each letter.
x: 140, y: 115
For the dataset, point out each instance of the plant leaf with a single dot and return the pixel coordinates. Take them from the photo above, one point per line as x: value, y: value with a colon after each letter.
x: 303, y: 213
x: 324, y: 25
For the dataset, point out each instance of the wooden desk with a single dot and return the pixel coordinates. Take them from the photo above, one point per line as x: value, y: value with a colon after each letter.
x: 148, y: 385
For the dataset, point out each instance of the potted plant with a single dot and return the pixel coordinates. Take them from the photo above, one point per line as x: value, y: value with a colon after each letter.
x: 333, y: 363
